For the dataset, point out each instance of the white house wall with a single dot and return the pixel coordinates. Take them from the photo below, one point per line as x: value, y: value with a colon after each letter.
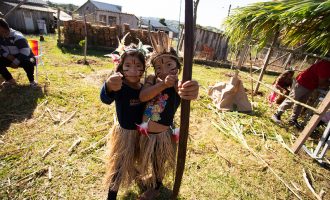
x: 121, y: 18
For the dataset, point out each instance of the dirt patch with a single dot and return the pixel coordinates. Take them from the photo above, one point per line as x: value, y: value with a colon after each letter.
x: 98, y: 77
x: 88, y: 62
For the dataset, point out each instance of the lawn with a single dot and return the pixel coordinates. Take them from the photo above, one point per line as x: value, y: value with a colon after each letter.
x: 52, y: 139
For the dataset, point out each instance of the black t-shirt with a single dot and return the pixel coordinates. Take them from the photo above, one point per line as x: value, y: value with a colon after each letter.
x: 161, y: 109
x: 129, y: 108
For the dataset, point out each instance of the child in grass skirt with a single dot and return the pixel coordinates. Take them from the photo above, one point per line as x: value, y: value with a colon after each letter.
x: 124, y: 87
x: 163, y: 93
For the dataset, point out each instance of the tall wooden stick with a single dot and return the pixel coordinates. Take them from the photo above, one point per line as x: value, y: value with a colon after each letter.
x: 185, y: 104
x: 59, y: 26
x: 85, y: 47
x: 269, y: 54
x: 323, y: 108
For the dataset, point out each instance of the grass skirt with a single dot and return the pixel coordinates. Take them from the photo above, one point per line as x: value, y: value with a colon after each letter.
x: 157, y: 157
x: 121, y: 169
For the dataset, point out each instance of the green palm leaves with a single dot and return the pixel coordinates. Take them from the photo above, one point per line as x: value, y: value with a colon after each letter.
x: 299, y: 22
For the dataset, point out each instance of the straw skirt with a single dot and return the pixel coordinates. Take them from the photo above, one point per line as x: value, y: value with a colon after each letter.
x: 157, y: 157
x: 121, y: 168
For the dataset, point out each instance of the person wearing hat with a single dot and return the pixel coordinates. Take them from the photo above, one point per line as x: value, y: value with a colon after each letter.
x: 316, y: 76
x: 15, y: 52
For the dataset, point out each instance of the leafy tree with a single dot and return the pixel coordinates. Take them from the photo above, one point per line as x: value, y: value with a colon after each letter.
x: 298, y: 22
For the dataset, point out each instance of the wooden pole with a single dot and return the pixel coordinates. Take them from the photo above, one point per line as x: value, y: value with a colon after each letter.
x: 185, y: 104
x: 251, y: 74
x: 287, y: 61
x: 179, y: 30
x: 244, y: 53
x: 303, y: 62
x: 269, y: 53
x: 59, y: 26
x: 14, y: 8
x: 309, y: 128
x: 280, y: 93
x: 85, y: 48
x: 303, y: 53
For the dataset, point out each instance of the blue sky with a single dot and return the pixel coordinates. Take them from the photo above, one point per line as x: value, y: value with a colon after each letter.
x: 210, y: 12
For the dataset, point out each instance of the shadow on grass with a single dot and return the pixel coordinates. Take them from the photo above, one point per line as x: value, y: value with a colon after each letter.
x: 165, y: 194
x: 91, y: 51
x: 17, y: 104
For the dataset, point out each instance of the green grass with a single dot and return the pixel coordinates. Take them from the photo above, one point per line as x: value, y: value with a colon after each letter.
x: 217, y: 167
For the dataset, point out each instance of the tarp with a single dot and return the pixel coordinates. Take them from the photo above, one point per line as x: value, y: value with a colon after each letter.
x: 230, y: 96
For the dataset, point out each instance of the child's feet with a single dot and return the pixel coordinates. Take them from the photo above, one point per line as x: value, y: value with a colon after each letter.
x: 150, y: 194
x: 33, y: 84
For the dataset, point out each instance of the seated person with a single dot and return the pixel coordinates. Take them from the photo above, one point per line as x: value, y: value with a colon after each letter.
x: 15, y: 52
x: 282, y: 83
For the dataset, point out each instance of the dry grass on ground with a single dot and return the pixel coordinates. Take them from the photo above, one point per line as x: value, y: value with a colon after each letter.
x: 66, y: 109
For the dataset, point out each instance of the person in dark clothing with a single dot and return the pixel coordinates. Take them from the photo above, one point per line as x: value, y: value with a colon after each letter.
x: 316, y: 76
x: 282, y: 83
x: 15, y: 52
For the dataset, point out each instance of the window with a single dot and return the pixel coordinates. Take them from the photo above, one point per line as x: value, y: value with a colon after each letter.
x: 112, y: 21
x: 103, y: 18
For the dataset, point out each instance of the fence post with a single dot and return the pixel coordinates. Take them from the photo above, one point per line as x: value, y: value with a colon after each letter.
x: 58, y: 26
x: 85, y: 48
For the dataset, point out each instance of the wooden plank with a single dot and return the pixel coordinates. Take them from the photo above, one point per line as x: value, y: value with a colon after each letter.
x: 323, y: 108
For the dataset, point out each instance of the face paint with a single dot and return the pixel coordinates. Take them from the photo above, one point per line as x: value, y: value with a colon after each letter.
x: 132, y: 68
x: 165, y: 66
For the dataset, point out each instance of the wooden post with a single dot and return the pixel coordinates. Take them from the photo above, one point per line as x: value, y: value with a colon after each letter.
x: 58, y: 26
x: 251, y: 74
x: 303, y: 62
x: 185, y: 104
x: 269, y: 53
x: 181, y: 39
x: 287, y: 61
x: 309, y: 128
x: 244, y: 53
x: 85, y: 48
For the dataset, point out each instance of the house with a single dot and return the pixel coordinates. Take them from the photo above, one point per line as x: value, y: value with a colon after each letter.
x: 107, y: 14
x: 63, y: 16
x: 155, y: 25
x: 34, y: 16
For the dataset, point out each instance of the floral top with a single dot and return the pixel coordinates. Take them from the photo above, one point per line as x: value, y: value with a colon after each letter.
x: 161, y: 109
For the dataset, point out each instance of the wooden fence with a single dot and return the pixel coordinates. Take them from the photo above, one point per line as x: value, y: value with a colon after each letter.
x: 209, y: 45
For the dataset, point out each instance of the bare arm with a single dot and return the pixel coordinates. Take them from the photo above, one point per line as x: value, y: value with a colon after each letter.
x: 149, y: 90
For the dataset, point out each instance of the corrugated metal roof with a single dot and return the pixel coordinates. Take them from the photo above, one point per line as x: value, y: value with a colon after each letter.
x: 63, y: 16
x: 41, y: 2
x: 153, y: 23
x: 106, y: 6
x: 30, y: 7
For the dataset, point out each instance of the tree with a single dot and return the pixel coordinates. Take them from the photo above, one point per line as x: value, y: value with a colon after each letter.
x: 162, y: 21
x: 196, y: 2
x: 298, y: 21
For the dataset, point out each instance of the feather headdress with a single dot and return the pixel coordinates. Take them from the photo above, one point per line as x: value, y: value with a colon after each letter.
x: 116, y: 55
x: 161, y: 46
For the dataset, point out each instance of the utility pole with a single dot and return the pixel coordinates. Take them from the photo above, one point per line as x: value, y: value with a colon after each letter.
x: 229, y: 9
